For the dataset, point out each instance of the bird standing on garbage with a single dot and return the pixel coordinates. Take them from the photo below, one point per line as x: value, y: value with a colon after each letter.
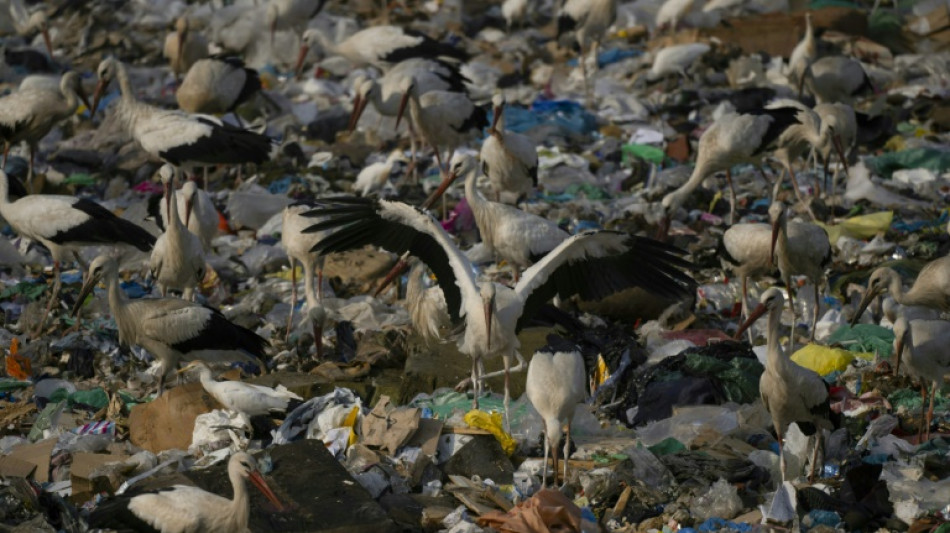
x: 177, y: 260
x: 298, y: 244
x: 217, y: 85
x: 922, y: 345
x: 803, y: 54
x: 838, y: 133
x: 185, y: 508
x: 293, y: 15
x: 184, y: 47
x: 790, y: 392
x: 835, y: 79
x: 799, y: 249
x: 171, y: 329
x: 63, y: 224
x: 587, y: 21
x: 509, y: 159
x: 555, y: 385
x: 200, y: 215
x: 29, y: 114
x: 931, y: 288
x: 745, y: 249
x: 182, y: 139
x: 591, y: 264
x: 246, y: 398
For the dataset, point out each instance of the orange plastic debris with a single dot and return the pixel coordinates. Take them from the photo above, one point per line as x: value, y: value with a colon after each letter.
x: 18, y: 366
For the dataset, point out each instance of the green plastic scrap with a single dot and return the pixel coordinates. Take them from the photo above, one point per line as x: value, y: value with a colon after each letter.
x: 8, y: 384
x: 45, y: 419
x: 739, y: 377
x: 929, y: 158
x: 94, y: 398
x: 868, y: 338
x: 643, y: 151
x: 910, y: 400
x: 667, y: 446
x: 79, y: 178
x: 30, y: 290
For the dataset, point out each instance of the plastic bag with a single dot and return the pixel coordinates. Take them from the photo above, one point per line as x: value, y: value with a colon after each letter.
x: 492, y: 422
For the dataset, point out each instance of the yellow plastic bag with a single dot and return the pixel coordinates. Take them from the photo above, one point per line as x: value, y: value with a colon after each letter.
x: 825, y: 360
x: 860, y: 227
x: 492, y: 422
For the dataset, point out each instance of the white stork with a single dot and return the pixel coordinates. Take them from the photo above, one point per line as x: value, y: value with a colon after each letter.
x: 745, y: 249
x: 588, y: 264
x: 197, y: 211
x: 63, y: 224
x: 171, y: 329
x: 676, y: 60
x: 445, y: 119
x: 803, y: 54
x: 27, y: 24
x: 516, y: 11
x: 374, y: 176
x: 922, y: 345
x: 28, y: 115
x: 184, y: 47
x: 556, y: 383
x: 509, y: 159
x: 179, y: 138
x: 588, y: 21
x: 838, y: 133
x: 177, y: 260
x: 800, y: 249
x: 791, y: 393
x: 185, y: 508
x: 380, y: 46
x: 426, y: 306
x: 293, y: 15
x: 836, y: 79
x: 297, y: 244
x: 246, y: 398
x: 217, y: 85
x: 931, y: 288
x: 516, y: 236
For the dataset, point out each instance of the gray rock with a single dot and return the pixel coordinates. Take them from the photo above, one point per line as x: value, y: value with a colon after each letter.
x: 481, y: 456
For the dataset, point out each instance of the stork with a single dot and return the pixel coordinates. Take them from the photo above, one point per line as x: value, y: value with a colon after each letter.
x: 516, y: 11
x: 591, y: 264
x: 803, y: 54
x: 291, y: 15
x: 27, y: 24
x: 63, y: 224
x: 445, y: 119
x: 509, y: 159
x: 931, y: 288
x: 802, y: 134
x: 791, y: 393
x: 186, y: 508
x: 835, y: 79
x: 374, y: 177
x: 514, y: 235
x: 197, y: 211
x: 801, y: 249
x: 426, y: 306
x: 28, y: 115
x: 171, y: 329
x: 588, y: 20
x: 177, y: 260
x: 922, y: 345
x: 555, y: 385
x: 838, y: 133
x: 744, y: 249
x: 184, y: 47
x: 179, y: 138
x: 676, y: 59
x: 247, y: 398
x: 380, y: 46
x: 297, y: 244
x: 731, y: 140
x: 217, y: 85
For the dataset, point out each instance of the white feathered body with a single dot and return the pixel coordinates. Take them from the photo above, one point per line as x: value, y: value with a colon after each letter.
x: 556, y: 383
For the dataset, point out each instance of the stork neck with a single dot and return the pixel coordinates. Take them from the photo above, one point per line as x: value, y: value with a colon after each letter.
x: 175, y: 224
x: 776, y: 356
x: 72, y: 99
x: 240, y: 510
x: 479, y: 207
x: 4, y: 188
x: 781, y: 248
x: 118, y: 304
x: 896, y: 287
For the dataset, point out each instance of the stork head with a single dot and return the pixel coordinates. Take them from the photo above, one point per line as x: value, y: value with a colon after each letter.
x: 190, y: 191
x: 408, y: 92
x: 71, y: 82
x: 778, y: 217
x: 878, y: 284
x: 771, y: 300
x: 102, y: 267
x: 243, y: 466
x: 668, y: 205
x: 901, y: 330
x: 198, y: 364
x: 167, y: 175
x: 39, y: 22
x: 309, y: 39
x: 364, y: 91
x: 498, y: 107
x: 107, y: 71
x: 487, y: 292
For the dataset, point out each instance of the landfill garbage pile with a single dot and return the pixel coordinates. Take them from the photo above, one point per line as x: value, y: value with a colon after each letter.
x: 469, y: 266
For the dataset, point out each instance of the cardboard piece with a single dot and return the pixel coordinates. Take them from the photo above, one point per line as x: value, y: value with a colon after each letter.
x: 169, y: 421
x: 37, y: 454
x: 389, y: 427
x: 427, y: 436
x: 13, y: 467
x: 84, y: 464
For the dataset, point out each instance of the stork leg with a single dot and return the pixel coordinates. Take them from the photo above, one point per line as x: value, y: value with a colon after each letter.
x: 544, y: 467
x: 554, y: 459
x: 814, y: 316
x: 412, y: 172
x: 798, y: 192
x: 507, y: 400
x: 732, y: 198
x: 923, y: 407
x: 293, y: 296
x: 52, y: 297
x: 819, y: 446
x: 930, y: 412
x: 474, y: 383
x: 781, y: 455
x: 745, y: 305
x: 567, y: 450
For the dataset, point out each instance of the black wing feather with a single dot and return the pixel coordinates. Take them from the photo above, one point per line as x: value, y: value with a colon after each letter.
x: 226, y: 144
x: 782, y: 118
x: 427, y: 48
x: 222, y: 334
x: 104, y: 227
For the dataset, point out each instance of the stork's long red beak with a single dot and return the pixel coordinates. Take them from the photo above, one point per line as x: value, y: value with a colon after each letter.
x: 47, y: 41
x: 301, y: 58
x: 496, y: 116
x: 83, y: 293
x: 394, y: 273
x: 261, y: 485
x: 663, y: 228
x: 188, y: 208
x: 489, y: 308
x: 772, y: 246
x: 865, y: 302
x: 402, y: 108
x: 898, y: 351
x: 359, y: 105
x: 756, y: 313
x: 836, y: 139
x: 446, y: 183
x: 96, y: 96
